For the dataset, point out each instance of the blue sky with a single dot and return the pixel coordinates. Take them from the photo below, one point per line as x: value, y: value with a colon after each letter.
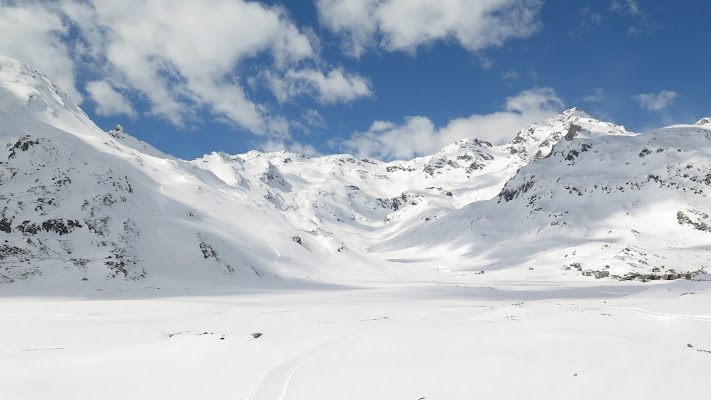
x: 377, y: 78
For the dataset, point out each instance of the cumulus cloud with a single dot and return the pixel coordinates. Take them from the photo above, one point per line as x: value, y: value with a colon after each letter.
x: 294, y: 147
x: 418, y: 135
x: 108, y: 100
x: 336, y: 86
x: 182, y: 57
x: 31, y: 33
x: 404, y: 25
x: 656, y: 101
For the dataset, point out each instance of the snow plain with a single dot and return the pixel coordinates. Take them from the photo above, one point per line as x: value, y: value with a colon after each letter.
x: 366, y: 280
x: 445, y: 337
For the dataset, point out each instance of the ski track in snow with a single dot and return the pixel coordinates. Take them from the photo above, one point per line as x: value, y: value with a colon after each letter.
x: 660, y: 315
x: 276, y: 258
x: 276, y: 381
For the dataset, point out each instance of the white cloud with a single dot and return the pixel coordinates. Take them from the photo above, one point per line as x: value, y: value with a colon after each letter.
x: 635, y: 32
x: 509, y: 75
x: 417, y: 135
x: 313, y: 118
x: 336, y: 86
x: 182, y: 57
x: 404, y: 25
x: 294, y: 147
x: 486, y: 63
x: 381, y: 126
x: 597, y: 96
x: 30, y: 32
x: 590, y: 17
x: 625, y: 6
x: 656, y: 102
x: 643, y: 24
x: 588, y: 20
x: 109, y: 101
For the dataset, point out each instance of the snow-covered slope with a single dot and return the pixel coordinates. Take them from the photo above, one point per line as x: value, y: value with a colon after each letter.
x: 625, y: 206
x: 363, y: 202
x: 79, y: 204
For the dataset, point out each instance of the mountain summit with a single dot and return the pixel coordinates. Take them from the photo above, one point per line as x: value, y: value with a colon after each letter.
x: 28, y: 94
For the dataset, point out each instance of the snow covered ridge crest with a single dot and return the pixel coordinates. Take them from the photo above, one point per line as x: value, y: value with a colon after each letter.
x: 571, y: 197
x: 25, y: 91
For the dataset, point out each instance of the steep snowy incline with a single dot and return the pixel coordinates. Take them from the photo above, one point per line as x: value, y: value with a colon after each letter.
x: 79, y: 204
x: 28, y: 94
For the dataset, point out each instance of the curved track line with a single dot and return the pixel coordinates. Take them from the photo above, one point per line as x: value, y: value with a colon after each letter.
x: 276, y: 381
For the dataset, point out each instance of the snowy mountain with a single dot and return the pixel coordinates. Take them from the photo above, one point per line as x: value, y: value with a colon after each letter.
x: 570, y: 196
x: 618, y: 205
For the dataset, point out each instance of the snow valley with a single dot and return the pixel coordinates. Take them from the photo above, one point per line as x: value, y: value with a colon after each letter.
x: 574, y: 256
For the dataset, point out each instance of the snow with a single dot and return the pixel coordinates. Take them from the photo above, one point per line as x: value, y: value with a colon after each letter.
x: 516, y: 339
x: 546, y: 267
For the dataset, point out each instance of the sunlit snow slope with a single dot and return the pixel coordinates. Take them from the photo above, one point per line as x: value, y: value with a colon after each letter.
x: 570, y: 196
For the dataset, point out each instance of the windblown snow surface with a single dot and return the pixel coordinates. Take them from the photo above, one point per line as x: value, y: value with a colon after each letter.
x: 568, y: 263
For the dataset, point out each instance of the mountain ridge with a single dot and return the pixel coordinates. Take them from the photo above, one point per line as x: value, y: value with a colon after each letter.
x: 80, y: 204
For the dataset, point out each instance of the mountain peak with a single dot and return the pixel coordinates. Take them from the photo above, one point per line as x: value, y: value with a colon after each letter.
x: 537, y: 140
x: 576, y: 112
x: 704, y: 121
x: 27, y: 89
x: 26, y: 94
x: 121, y: 136
x: 117, y: 132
